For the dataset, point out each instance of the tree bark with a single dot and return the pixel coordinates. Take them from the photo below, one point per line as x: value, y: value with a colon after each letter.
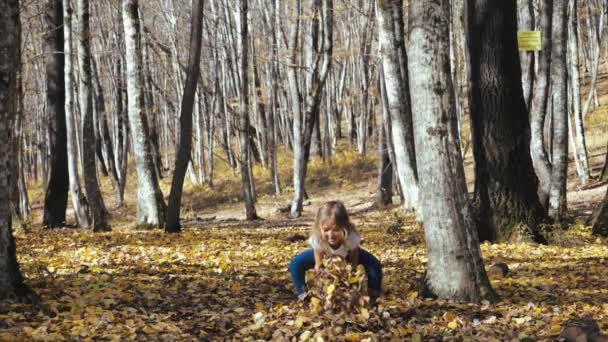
x: 450, y: 234
x: 599, y: 218
x: 538, y: 109
x: 79, y: 202
x: 185, y: 142
x: 559, y: 80
x: 506, y: 197
x: 99, y: 213
x: 246, y: 175
x: 56, y: 197
x: 320, y: 69
x: 525, y: 22
x: 150, y: 204
x: 12, y: 285
x: 397, y: 92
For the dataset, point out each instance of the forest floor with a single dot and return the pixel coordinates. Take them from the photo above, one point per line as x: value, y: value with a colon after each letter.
x: 226, y: 279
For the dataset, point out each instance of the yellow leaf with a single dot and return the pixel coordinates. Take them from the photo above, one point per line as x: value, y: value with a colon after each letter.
x: 330, y: 289
x: 315, y: 304
x: 364, y: 315
x: 453, y: 325
x: 305, y: 335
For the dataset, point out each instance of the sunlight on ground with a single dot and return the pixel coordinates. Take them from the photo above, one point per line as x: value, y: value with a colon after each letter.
x: 211, y: 282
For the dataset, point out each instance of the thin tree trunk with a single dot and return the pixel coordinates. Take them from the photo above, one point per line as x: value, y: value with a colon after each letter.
x: 99, y: 213
x: 397, y: 92
x: 185, y: 141
x: 246, y: 175
x: 580, y: 146
x: 79, y: 202
x: 538, y: 110
x: 320, y: 69
x: 525, y: 22
x: 450, y: 233
x: 559, y: 80
x: 151, y: 206
x: 56, y: 198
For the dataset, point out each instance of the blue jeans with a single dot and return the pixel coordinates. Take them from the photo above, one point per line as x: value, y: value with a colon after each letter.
x: 306, y: 260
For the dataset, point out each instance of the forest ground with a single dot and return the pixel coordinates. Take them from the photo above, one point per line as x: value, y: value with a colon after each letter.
x: 224, y: 278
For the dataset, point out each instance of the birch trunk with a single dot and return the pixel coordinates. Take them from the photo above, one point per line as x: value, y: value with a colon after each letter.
x: 150, y: 204
x: 395, y: 78
x: 79, y: 202
x: 525, y: 22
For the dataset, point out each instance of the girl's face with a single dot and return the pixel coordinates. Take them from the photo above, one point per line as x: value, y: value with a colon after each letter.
x: 332, y: 233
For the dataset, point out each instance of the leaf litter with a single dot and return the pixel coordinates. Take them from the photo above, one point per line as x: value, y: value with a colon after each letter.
x: 213, y: 283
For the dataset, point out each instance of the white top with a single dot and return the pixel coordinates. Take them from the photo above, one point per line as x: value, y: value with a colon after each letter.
x: 351, y: 241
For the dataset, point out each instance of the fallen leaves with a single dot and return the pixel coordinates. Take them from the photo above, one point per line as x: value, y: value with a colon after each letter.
x: 208, y: 284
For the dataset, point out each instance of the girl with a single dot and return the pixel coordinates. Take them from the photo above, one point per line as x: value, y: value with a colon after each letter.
x: 334, y: 235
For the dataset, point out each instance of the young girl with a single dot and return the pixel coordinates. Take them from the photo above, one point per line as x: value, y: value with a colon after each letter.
x: 334, y: 235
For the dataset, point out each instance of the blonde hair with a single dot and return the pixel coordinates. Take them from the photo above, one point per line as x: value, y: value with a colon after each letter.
x: 332, y: 210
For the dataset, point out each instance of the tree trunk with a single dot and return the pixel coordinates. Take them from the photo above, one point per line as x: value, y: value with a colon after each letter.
x: 151, y: 206
x: 79, y: 202
x: 397, y: 92
x: 320, y: 69
x: 12, y: 285
x: 56, y: 198
x: 559, y: 80
x: 538, y: 108
x: 246, y: 175
x: 99, y: 213
x: 505, y: 184
x: 185, y: 141
x: 384, y: 193
x: 580, y: 145
x: 450, y: 234
x: 525, y: 22
x: 274, y: 113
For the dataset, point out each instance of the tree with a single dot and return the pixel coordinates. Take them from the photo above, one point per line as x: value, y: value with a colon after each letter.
x: 150, y: 203
x: 506, y: 197
x: 538, y: 106
x: 56, y: 197
x: 559, y: 80
x: 247, y: 180
x: 393, y: 55
x: 12, y: 285
x: 450, y: 234
x: 79, y: 202
x: 99, y: 213
x: 185, y: 143
x: 319, y: 70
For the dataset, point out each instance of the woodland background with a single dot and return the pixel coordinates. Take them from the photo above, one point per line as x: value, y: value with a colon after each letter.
x: 398, y: 108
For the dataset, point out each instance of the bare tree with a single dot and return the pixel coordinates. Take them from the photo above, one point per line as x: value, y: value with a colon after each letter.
x: 397, y: 93
x: 559, y: 80
x: 318, y: 75
x: 450, y: 233
x: 185, y: 143
x: 99, y: 213
x: 12, y: 285
x: 538, y: 106
x: 150, y: 204
x: 79, y: 202
x: 56, y: 198
x: 505, y: 184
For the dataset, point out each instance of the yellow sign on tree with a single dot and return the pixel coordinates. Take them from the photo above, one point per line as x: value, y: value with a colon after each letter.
x: 529, y: 40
